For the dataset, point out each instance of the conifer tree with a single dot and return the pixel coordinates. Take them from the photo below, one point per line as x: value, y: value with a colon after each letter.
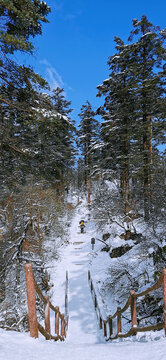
x: 148, y: 54
x: 19, y: 85
x: 87, y: 136
x: 61, y: 105
x: 118, y: 115
x: 135, y: 108
x: 65, y: 132
x: 20, y: 20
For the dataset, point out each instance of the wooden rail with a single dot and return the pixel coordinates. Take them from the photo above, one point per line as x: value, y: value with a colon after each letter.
x: 61, y: 320
x: 107, y: 324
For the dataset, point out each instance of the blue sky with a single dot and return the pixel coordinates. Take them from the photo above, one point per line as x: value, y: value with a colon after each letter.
x: 73, y: 51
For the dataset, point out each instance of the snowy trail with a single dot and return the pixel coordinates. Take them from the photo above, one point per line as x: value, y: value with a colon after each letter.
x: 82, y: 323
x: 83, y: 327
x: 84, y: 341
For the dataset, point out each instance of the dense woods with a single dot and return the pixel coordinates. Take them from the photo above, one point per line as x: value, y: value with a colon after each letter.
x: 44, y: 157
x: 37, y: 152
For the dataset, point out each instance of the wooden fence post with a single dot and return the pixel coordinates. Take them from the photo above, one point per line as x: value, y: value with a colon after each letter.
x: 110, y: 325
x: 31, y: 300
x: 101, y: 322
x: 119, y: 323
x: 65, y: 327
x: 66, y: 296
x: 164, y: 297
x: 47, y: 316
x: 57, y: 320
x: 105, y: 329
x: 133, y: 309
x: 95, y: 301
x: 62, y: 325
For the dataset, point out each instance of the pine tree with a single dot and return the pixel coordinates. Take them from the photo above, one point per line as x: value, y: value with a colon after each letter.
x: 135, y: 109
x: 20, y: 20
x: 65, y: 132
x: 19, y: 85
x: 47, y: 140
x: 18, y: 126
x: 87, y: 136
x: 118, y: 117
x: 61, y: 105
x: 148, y: 54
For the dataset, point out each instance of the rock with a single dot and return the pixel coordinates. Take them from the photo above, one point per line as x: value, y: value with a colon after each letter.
x: 106, y: 236
x: 119, y: 251
x: 126, y: 235
x: 106, y: 248
x: 132, y: 236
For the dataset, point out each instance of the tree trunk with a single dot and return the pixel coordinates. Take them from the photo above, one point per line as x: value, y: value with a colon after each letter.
x: 145, y: 170
x: 89, y: 180
x: 150, y: 160
x: 126, y: 175
x: 89, y: 183
x: 125, y: 189
x: 145, y: 136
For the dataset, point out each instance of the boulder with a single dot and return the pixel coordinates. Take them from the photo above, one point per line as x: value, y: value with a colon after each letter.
x: 106, y: 236
x: 119, y: 251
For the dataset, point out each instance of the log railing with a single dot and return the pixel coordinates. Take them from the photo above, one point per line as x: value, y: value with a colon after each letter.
x: 107, y: 324
x: 61, y: 320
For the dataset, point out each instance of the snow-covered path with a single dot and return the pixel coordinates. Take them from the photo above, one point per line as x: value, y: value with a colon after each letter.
x: 82, y: 317
x: 84, y: 341
x: 83, y: 327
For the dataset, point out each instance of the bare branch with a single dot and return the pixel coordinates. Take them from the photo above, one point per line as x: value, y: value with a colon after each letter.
x: 14, y: 106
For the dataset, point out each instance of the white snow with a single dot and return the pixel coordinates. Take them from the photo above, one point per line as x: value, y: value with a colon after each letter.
x: 84, y: 340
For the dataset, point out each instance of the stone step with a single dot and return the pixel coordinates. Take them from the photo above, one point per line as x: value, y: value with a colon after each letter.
x: 78, y: 264
x: 78, y: 242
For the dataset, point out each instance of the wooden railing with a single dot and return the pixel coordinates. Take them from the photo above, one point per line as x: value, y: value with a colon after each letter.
x: 107, y: 324
x: 61, y: 320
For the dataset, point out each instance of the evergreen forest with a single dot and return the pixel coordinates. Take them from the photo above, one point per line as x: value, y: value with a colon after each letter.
x: 114, y: 157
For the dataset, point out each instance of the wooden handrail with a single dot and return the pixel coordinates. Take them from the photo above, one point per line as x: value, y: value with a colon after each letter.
x: 131, y: 302
x: 48, y: 336
x: 66, y: 299
x: 34, y: 325
x: 43, y: 298
x: 156, y: 286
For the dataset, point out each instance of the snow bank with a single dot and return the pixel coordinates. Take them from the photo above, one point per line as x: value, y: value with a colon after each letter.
x: 19, y: 346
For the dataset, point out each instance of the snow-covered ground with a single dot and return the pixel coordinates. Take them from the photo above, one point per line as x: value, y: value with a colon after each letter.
x: 84, y: 340
x: 16, y: 346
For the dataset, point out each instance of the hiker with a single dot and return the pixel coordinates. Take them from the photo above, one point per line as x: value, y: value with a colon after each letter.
x: 82, y: 225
